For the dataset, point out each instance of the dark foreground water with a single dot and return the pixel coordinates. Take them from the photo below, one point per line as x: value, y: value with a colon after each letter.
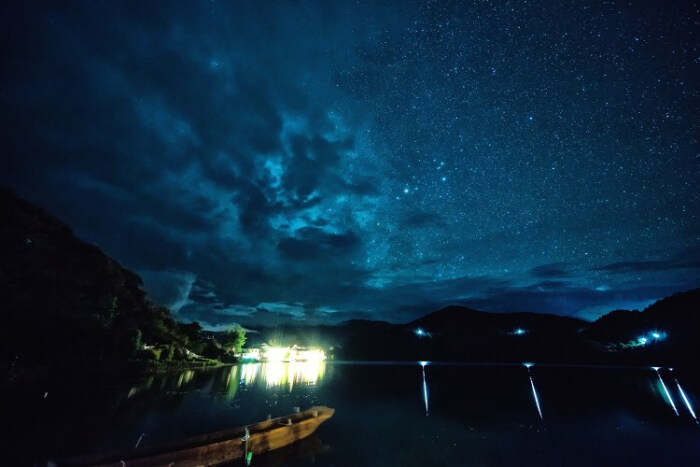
x: 386, y: 414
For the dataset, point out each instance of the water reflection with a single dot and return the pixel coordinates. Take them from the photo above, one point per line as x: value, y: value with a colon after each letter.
x: 534, y: 391
x: 619, y: 409
x: 249, y: 373
x: 283, y: 374
x: 425, y: 388
x: 668, y: 394
x: 185, y: 377
x: 233, y: 380
x: 685, y: 399
x: 687, y: 402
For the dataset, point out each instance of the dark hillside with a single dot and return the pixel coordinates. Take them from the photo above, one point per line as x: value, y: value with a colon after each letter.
x: 669, y: 329
x: 65, y: 300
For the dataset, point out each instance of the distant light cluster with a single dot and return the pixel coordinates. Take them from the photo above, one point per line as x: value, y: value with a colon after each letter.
x: 651, y: 337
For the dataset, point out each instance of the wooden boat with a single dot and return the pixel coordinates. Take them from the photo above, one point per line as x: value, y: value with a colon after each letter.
x: 217, y: 448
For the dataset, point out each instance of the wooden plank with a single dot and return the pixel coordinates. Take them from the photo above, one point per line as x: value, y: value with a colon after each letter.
x: 219, y: 447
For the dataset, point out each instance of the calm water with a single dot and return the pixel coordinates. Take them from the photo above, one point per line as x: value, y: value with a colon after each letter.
x: 386, y: 414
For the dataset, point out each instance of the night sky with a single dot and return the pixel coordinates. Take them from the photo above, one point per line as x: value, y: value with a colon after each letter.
x: 320, y: 161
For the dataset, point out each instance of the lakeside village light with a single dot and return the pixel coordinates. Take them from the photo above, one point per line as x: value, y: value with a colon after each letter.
x: 284, y: 354
x: 420, y: 332
x: 655, y: 335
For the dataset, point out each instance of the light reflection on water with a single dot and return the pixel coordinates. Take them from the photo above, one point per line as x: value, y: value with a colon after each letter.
x: 425, y: 388
x: 275, y: 375
x: 474, y: 409
x: 666, y: 391
x: 537, y: 400
x: 685, y: 399
x: 185, y: 377
x: 534, y: 391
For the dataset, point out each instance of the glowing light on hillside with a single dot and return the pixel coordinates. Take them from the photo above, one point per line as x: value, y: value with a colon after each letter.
x: 420, y: 332
x: 658, y: 335
x: 519, y: 331
x: 655, y: 335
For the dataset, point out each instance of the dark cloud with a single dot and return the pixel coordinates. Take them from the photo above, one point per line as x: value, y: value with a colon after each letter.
x: 367, y: 186
x: 548, y: 285
x: 309, y: 163
x: 626, y: 267
x: 390, y: 158
x: 554, y: 270
x: 170, y: 288
x: 312, y: 244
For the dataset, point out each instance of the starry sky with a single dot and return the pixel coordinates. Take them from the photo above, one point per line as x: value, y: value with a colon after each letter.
x: 271, y: 161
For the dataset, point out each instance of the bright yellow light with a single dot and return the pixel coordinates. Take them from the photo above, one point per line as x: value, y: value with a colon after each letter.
x: 277, y: 374
x: 315, y: 355
x: 249, y: 373
x: 277, y: 354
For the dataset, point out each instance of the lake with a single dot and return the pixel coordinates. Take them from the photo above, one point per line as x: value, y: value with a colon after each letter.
x: 386, y: 413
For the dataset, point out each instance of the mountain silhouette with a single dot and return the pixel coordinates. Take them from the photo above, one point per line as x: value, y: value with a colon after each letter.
x: 65, y: 300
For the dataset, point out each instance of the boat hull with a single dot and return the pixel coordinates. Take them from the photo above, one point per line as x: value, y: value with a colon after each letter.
x: 221, y: 447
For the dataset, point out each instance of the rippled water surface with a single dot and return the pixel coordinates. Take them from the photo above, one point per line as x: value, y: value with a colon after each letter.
x: 386, y: 414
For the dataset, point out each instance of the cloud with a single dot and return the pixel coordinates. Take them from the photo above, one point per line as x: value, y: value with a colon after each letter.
x: 232, y: 171
x: 315, y: 244
x: 191, y: 152
x: 553, y: 270
x: 363, y: 186
x: 218, y: 315
x: 628, y: 267
x: 169, y: 288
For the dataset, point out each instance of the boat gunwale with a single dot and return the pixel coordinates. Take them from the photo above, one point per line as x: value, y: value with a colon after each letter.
x: 259, y: 428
